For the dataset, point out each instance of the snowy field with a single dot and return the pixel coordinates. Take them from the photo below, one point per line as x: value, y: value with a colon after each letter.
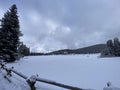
x: 84, y: 71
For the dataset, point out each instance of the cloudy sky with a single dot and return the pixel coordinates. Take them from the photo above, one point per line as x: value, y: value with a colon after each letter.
x: 50, y: 25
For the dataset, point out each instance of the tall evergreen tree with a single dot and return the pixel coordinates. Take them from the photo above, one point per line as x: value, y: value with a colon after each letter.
x: 116, y: 47
x: 1, y: 44
x: 23, y: 50
x: 113, y: 48
x: 109, y: 50
x: 110, y: 47
x: 11, y: 32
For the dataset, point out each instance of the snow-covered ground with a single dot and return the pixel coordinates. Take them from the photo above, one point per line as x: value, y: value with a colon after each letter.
x: 84, y: 71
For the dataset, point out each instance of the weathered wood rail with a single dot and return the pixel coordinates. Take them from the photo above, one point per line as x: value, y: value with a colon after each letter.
x: 58, y: 84
x: 32, y: 80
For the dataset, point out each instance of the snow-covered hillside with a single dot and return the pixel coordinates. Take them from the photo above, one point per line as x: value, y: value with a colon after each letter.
x: 84, y: 71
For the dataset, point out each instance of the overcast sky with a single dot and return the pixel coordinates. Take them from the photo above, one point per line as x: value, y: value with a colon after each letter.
x: 50, y: 25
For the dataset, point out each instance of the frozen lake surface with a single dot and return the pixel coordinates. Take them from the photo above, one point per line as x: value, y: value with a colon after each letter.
x: 84, y: 71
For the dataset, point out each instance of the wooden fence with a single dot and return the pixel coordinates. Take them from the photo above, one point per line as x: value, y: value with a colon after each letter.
x: 32, y: 80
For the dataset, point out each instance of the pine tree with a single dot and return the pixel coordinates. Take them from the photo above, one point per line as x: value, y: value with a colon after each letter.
x: 113, y: 48
x: 23, y: 50
x: 110, y: 47
x: 1, y: 44
x: 11, y: 33
x: 117, y: 47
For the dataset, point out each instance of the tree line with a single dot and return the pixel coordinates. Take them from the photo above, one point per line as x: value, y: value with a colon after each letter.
x: 11, y: 48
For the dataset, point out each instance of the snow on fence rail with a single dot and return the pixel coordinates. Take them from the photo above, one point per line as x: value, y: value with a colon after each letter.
x: 32, y: 80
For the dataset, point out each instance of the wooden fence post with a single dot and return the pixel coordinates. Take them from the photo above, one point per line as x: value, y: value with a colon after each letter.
x: 9, y: 73
x: 31, y: 82
x: 2, y: 65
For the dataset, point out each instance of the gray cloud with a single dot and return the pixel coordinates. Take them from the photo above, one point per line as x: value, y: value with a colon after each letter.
x: 55, y: 24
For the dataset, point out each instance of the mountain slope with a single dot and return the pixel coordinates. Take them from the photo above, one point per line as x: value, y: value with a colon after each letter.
x: 90, y: 49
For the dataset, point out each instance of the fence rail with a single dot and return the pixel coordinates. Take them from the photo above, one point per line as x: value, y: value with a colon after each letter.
x: 32, y: 80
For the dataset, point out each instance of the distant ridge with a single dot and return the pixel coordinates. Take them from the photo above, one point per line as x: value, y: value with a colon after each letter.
x: 98, y: 48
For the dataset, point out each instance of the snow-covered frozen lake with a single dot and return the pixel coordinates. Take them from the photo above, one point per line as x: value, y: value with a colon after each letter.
x: 84, y: 71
